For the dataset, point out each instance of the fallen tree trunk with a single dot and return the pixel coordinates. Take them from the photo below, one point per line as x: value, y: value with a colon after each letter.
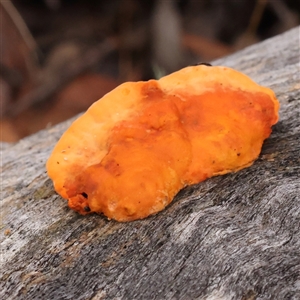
x: 231, y: 237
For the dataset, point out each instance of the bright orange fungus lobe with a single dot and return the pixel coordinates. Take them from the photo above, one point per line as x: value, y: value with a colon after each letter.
x: 135, y: 148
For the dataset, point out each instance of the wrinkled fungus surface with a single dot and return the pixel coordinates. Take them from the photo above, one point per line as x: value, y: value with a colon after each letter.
x: 135, y: 148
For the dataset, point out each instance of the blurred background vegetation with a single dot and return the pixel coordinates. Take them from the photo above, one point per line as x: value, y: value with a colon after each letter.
x: 59, y: 56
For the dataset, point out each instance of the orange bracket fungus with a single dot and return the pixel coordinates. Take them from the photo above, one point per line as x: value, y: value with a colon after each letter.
x: 134, y: 149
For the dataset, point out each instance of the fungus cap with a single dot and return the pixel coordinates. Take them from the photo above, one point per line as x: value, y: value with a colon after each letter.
x: 135, y: 148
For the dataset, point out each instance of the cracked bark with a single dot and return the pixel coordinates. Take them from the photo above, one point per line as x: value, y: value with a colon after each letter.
x: 231, y: 237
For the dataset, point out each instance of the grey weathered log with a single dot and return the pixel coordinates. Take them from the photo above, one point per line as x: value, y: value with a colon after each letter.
x: 231, y: 237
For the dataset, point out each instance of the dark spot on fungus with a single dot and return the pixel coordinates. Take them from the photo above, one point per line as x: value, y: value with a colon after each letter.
x: 87, y: 209
x: 203, y: 64
x: 238, y: 154
x: 84, y: 195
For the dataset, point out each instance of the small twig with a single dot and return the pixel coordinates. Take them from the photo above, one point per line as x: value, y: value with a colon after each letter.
x: 49, y: 88
x: 256, y: 17
x: 20, y: 24
x: 11, y: 76
x: 287, y: 18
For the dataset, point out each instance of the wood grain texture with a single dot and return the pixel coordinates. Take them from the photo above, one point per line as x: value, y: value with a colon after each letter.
x: 231, y: 237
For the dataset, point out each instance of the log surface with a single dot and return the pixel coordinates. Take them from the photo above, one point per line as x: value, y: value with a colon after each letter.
x: 231, y: 237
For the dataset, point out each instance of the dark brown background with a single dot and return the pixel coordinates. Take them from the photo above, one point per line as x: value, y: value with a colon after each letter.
x: 59, y: 56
